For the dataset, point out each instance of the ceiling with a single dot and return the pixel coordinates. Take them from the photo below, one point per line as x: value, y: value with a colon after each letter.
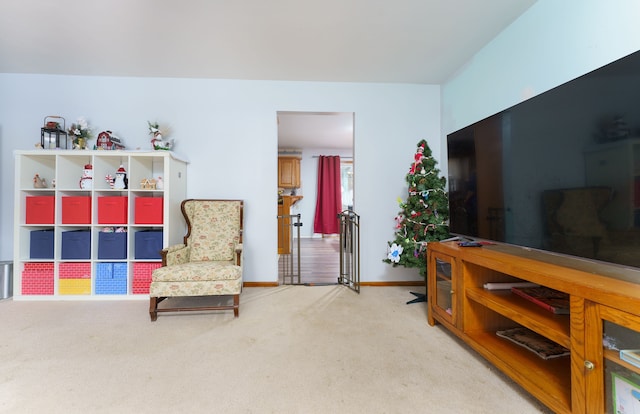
x: 326, y: 130
x: 399, y: 41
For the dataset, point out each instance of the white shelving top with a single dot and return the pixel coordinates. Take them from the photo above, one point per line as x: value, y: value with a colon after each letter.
x: 106, y: 153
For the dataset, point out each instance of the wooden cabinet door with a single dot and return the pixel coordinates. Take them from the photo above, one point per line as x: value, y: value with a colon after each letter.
x: 441, y: 288
x: 288, y: 172
x: 608, y: 330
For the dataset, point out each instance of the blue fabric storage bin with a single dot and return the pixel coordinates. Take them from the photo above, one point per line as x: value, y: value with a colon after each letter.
x: 76, y: 244
x: 112, y: 245
x: 111, y: 279
x: 104, y: 271
x: 110, y: 270
x: 148, y: 244
x: 41, y: 244
x: 111, y: 286
x: 120, y: 271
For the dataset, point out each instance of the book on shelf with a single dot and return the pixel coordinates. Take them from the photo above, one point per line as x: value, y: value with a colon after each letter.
x: 507, y: 285
x: 626, y: 394
x: 534, y: 342
x: 547, y: 298
x: 631, y: 356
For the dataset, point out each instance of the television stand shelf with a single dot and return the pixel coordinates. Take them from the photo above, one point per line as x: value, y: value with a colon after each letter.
x: 604, y: 303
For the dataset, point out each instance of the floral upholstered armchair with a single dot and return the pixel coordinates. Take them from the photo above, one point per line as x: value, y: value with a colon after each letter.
x: 209, y: 262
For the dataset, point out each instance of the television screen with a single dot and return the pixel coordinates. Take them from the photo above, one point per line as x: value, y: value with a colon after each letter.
x: 558, y: 172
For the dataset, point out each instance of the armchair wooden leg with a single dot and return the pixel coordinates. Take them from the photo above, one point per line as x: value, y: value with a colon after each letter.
x: 153, y: 308
x: 236, y: 305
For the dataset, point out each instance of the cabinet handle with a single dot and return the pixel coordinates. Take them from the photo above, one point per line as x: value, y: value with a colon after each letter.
x: 589, y: 365
x: 451, y: 292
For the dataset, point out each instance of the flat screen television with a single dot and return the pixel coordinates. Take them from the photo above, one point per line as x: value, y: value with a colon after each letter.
x: 558, y: 172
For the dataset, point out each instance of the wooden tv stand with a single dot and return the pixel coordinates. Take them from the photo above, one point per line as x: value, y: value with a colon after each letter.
x: 604, y: 303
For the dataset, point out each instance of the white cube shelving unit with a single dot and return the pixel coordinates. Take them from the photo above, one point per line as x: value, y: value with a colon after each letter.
x: 50, y: 276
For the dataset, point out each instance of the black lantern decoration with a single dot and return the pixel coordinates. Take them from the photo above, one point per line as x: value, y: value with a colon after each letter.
x: 52, y: 129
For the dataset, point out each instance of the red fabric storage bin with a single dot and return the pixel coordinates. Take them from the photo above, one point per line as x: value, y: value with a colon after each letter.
x: 74, y: 271
x: 142, y: 276
x: 76, y: 210
x: 37, y: 279
x: 112, y: 210
x: 149, y: 210
x: 40, y: 210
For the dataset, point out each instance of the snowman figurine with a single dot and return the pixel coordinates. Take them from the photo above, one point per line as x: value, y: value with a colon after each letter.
x: 121, y: 179
x: 86, y: 181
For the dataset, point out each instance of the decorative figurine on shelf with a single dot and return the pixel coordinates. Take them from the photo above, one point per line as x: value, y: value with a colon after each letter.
x: 81, y: 133
x: 107, y: 141
x: 148, y: 184
x: 157, y: 141
x: 39, y: 182
x: 110, y: 179
x: 86, y: 181
x: 121, y: 180
x: 159, y: 183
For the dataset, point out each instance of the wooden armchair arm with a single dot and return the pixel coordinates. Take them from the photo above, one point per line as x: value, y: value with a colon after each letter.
x: 238, y: 251
x: 176, y: 254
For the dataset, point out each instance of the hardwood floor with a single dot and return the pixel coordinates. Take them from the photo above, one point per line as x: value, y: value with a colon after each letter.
x: 319, y: 262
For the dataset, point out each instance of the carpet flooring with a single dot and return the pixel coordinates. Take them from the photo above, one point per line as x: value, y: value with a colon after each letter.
x: 294, y: 349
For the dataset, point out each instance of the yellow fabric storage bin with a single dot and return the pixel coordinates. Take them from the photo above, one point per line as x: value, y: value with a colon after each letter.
x: 74, y: 287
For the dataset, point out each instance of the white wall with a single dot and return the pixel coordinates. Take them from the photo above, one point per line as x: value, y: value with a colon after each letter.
x: 552, y: 43
x: 228, y: 131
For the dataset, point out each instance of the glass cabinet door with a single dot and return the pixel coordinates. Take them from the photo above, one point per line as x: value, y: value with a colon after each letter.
x: 441, y: 287
x: 612, y: 371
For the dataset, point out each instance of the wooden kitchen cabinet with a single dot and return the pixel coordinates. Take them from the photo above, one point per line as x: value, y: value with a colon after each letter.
x: 288, y: 172
x: 285, y: 223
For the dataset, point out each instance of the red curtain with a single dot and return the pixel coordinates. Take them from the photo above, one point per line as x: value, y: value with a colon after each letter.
x: 329, y: 197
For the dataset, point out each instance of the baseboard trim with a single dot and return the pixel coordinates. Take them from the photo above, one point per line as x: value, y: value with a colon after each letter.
x: 395, y: 283
x: 390, y: 283
x: 260, y: 284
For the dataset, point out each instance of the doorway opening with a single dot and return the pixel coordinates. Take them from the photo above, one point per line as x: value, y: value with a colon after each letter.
x: 305, y: 136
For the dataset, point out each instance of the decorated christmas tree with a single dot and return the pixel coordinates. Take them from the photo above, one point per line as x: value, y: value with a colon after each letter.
x: 423, y: 216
